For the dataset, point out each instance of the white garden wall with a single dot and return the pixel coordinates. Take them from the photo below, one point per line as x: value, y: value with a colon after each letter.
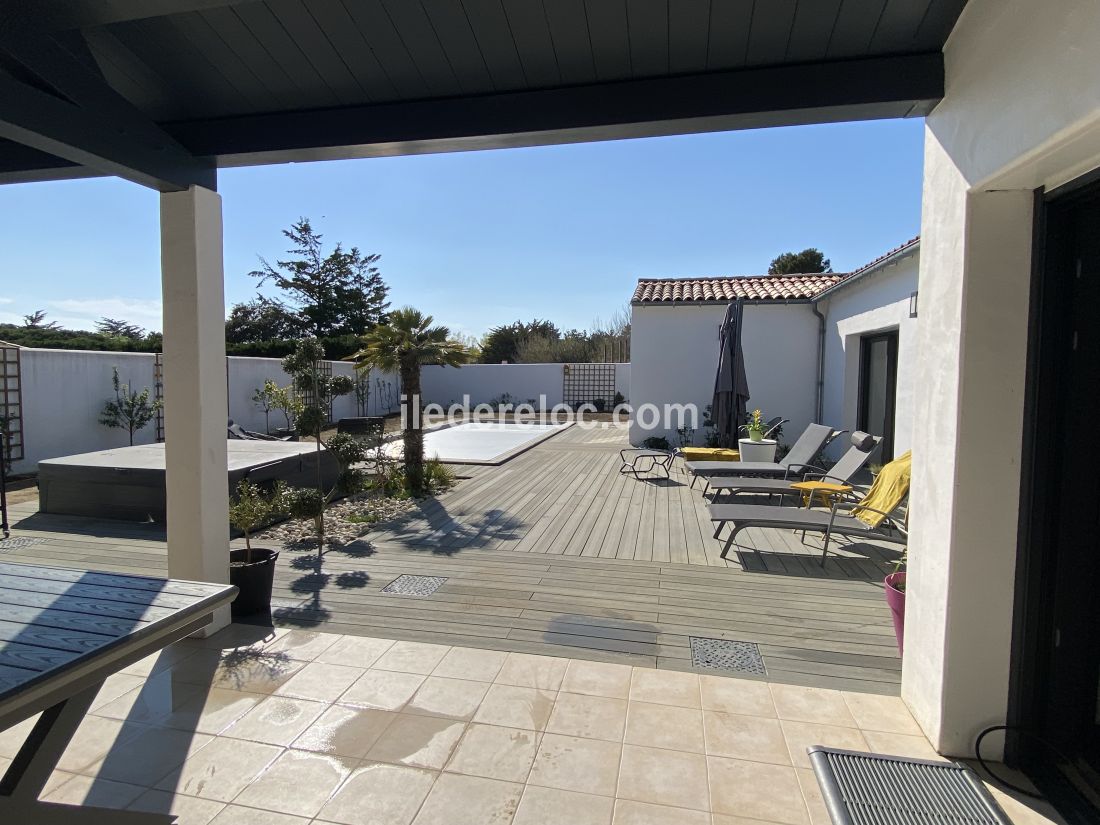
x: 877, y: 302
x: 64, y: 391
x: 486, y: 382
x: 674, y: 357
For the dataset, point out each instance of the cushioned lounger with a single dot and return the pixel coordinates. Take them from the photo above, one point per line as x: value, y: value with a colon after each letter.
x: 794, y: 464
x: 863, y: 446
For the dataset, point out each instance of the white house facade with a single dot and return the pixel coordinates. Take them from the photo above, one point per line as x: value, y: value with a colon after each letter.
x: 805, y: 340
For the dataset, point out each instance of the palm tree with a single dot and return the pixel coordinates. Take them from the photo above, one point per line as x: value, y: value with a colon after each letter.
x: 405, y: 343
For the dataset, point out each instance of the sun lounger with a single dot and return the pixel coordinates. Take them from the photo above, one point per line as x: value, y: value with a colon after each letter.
x: 237, y: 431
x: 795, y: 463
x: 863, y: 446
x: 862, y: 519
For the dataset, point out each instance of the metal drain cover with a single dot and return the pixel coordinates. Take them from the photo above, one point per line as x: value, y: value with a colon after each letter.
x: 726, y: 655
x: 414, y: 585
x: 18, y: 542
x: 870, y: 789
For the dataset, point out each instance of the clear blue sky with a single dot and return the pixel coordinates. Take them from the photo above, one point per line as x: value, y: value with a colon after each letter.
x: 483, y: 238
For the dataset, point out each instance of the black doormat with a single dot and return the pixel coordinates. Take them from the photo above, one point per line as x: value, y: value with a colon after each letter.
x: 871, y: 789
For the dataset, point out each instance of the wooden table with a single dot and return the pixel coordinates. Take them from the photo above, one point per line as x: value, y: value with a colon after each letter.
x: 62, y: 633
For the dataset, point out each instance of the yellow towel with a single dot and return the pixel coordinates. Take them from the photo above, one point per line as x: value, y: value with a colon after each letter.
x: 889, y: 490
x: 710, y: 454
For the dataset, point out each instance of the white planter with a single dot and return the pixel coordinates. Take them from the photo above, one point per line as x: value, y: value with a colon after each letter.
x: 757, y: 450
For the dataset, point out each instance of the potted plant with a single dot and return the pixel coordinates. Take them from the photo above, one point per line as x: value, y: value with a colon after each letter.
x: 755, y: 426
x: 252, y: 570
x: 895, y: 598
x: 756, y: 447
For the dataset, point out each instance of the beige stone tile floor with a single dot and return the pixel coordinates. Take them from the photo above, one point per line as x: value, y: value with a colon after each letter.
x: 255, y: 726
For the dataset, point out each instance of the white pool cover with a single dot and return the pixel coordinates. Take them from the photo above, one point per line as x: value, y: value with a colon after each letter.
x: 483, y: 441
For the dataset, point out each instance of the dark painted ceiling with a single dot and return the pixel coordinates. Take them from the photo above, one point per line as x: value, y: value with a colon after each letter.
x: 271, y: 80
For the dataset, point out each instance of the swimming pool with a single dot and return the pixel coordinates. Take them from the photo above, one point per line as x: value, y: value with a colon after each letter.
x: 483, y: 442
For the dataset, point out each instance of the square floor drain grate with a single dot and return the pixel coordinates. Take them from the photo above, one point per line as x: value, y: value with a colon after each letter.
x: 726, y: 655
x: 869, y: 789
x: 414, y: 585
x: 18, y: 542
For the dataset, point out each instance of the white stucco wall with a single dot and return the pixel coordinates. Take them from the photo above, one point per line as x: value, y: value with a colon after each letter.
x: 485, y: 382
x: 246, y: 375
x: 64, y: 391
x: 63, y: 394
x: 674, y: 356
x: 877, y: 302
x: 1022, y: 110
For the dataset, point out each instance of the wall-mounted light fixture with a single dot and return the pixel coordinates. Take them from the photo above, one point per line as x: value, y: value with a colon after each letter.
x: 912, y: 305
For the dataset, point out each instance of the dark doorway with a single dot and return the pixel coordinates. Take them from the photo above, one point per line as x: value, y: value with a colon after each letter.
x: 1056, y: 690
x: 878, y: 380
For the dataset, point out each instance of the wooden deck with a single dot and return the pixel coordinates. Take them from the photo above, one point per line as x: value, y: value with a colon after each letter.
x: 556, y: 553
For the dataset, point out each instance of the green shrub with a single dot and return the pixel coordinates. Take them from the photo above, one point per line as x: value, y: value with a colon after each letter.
x: 656, y: 442
x: 304, y: 503
x: 438, y: 476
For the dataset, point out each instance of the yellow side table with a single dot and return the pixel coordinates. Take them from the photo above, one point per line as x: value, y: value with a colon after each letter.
x: 827, y: 491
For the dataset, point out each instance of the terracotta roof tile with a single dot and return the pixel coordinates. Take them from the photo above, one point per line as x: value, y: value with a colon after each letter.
x: 749, y: 287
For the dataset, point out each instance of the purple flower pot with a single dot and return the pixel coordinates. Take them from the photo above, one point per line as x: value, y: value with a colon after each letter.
x: 895, y: 598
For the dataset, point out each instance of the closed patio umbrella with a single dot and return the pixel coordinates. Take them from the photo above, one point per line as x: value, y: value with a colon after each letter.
x: 731, y: 387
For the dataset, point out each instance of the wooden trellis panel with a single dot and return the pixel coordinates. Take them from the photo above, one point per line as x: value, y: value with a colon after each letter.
x: 306, y: 395
x: 588, y: 384
x: 158, y: 393
x: 11, y: 402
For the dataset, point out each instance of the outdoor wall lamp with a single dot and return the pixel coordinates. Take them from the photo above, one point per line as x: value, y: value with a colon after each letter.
x: 912, y: 305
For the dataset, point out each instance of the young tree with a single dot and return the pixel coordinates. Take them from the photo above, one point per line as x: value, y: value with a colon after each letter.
x: 304, y: 367
x: 806, y: 262
x: 285, y: 400
x: 405, y: 343
x: 338, y: 294
x: 119, y: 329
x: 130, y: 411
x: 265, y: 397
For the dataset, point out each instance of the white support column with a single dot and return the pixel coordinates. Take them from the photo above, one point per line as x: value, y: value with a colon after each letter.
x: 194, y: 387
x: 975, y: 272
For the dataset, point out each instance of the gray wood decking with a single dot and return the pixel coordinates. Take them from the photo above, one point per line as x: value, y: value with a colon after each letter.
x: 555, y: 553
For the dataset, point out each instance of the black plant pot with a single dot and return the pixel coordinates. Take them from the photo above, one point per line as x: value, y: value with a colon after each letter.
x: 253, y: 579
